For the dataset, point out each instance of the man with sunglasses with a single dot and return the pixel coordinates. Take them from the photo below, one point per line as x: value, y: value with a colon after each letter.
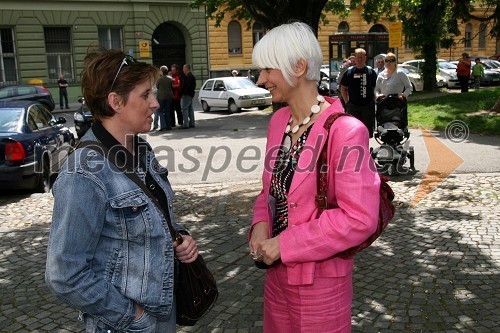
x: 358, y: 91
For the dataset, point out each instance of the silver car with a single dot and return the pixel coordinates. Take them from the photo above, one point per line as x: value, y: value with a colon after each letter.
x: 233, y: 93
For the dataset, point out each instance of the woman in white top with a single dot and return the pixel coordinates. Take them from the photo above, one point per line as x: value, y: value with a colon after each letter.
x: 392, y: 81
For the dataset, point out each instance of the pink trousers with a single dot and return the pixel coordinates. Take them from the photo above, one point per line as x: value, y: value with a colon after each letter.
x: 324, y: 306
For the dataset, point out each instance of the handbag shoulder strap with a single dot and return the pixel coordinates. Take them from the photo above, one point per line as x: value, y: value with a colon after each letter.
x: 111, y: 155
x: 321, y: 197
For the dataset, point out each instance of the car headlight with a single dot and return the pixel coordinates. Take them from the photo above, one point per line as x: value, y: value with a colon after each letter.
x: 78, y: 117
x: 245, y: 97
x: 267, y: 95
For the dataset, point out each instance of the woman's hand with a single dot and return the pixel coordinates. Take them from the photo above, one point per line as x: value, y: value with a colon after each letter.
x: 138, y: 311
x: 270, y: 250
x: 187, y: 252
x: 260, y: 232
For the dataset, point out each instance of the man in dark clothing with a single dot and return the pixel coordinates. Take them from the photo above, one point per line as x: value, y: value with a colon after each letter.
x: 188, y: 87
x: 63, y: 93
x: 358, y: 91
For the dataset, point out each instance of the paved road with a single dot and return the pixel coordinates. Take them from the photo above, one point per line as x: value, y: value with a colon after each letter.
x: 435, y: 269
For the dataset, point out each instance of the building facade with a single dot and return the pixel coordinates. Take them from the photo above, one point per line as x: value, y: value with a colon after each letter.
x: 43, y: 39
x: 231, y: 44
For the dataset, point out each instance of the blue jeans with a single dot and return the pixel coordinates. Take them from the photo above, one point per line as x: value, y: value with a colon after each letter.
x: 187, y: 111
x: 144, y: 324
x: 162, y: 114
x: 63, y: 94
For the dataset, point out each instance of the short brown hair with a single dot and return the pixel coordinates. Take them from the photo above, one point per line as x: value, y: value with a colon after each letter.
x: 100, y: 68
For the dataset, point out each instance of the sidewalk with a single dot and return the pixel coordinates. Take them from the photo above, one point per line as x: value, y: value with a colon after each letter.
x: 435, y: 269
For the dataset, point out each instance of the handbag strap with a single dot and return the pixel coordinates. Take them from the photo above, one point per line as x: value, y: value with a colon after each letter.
x: 111, y: 155
x: 321, y: 198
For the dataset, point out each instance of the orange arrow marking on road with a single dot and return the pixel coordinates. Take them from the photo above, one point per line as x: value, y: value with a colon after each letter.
x: 443, y: 161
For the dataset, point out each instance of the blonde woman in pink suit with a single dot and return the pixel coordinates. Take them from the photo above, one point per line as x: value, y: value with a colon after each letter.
x: 307, y: 288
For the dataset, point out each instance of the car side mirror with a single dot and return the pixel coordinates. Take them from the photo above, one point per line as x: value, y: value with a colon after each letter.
x: 80, y: 100
x: 61, y: 120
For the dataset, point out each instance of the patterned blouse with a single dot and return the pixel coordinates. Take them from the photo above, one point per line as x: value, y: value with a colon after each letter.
x: 284, y: 168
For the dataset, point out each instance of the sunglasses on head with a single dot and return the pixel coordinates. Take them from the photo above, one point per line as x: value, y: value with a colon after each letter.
x: 390, y: 60
x: 128, y: 60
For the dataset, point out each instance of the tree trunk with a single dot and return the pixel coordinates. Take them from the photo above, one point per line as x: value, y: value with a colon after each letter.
x: 496, y: 107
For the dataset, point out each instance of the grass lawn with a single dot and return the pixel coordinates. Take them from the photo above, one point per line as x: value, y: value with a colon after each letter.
x: 437, y: 112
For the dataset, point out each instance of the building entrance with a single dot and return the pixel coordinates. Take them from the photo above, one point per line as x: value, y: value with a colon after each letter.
x: 168, y: 46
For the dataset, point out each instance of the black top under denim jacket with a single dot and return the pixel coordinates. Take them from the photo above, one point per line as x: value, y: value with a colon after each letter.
x: 131, y: 162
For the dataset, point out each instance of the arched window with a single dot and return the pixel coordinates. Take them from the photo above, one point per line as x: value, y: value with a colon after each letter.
x: 378, y: 28
x: 468, y: 36
x: 343, y: 26
x: 234, y: 37
x: 482, y: 36
x: 258, y: 32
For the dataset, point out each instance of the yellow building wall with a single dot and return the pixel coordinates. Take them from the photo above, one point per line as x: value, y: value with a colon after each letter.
x: 222, y: 61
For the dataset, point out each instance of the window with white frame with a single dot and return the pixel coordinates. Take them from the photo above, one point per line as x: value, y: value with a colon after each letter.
x: 468, y: 36
x: 110, y: 37
x: 234, y: 37
x: 258, y: 32
x: 8, y: 64
x: 59, y: 55
x: 482, y: 36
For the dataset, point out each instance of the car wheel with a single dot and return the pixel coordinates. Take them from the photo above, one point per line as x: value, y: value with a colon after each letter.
x: 204, y: 106
x: 43, y: 178
x: 233, y: 108
x: 262, y: 107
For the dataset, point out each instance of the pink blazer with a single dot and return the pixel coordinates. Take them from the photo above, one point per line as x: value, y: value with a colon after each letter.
x: 309, y: 243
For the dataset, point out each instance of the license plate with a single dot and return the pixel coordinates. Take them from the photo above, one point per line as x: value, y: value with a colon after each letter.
x: 258, y: 101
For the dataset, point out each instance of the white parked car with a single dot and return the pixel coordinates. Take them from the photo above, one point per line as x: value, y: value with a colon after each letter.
x: 446, y: 70
x: 414, y: 75
x: 233, y: 93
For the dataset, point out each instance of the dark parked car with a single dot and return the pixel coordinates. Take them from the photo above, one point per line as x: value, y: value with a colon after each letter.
x: 83, y: 119
x: 33, y: 145
x: 28, y: 92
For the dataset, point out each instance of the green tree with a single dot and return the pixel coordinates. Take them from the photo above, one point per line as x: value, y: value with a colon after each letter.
x: 427, y: 24
x: 430, y: 24
x: 272, y: 13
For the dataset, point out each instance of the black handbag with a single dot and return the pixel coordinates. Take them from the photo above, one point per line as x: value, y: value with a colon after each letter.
x: 197, y: 290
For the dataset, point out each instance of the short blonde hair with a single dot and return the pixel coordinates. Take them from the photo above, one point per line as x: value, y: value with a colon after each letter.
x: 284, y: 46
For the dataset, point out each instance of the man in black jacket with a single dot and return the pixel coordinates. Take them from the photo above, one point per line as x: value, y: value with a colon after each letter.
x: 188, y: 87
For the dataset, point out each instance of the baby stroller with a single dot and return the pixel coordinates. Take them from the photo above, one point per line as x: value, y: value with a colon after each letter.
x: 392, y: 134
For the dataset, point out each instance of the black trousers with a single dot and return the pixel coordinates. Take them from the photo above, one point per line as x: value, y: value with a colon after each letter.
x: 464, y: 83
x: 365, y: 113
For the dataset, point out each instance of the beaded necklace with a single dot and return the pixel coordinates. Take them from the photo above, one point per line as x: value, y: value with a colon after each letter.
x: 287, y: 140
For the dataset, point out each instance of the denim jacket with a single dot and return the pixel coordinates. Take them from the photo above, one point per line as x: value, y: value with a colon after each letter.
x: 109, y: 245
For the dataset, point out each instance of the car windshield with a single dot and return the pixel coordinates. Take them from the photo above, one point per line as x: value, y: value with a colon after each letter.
x: 240, y: 83
x: 407, y: 70
x: 491, y: 64
x: 9, y: 119
x: 446, y: 65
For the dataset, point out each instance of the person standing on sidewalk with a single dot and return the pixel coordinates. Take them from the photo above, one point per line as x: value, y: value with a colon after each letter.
x: 463, y: 72
x: 478, y: 73
x: 63, y: 92
x: 307, y: 288
x: 115, y: 261
x: 358, y: 91
x: 188, y: 87
x: 165, y: 96
x: 176, y: 102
